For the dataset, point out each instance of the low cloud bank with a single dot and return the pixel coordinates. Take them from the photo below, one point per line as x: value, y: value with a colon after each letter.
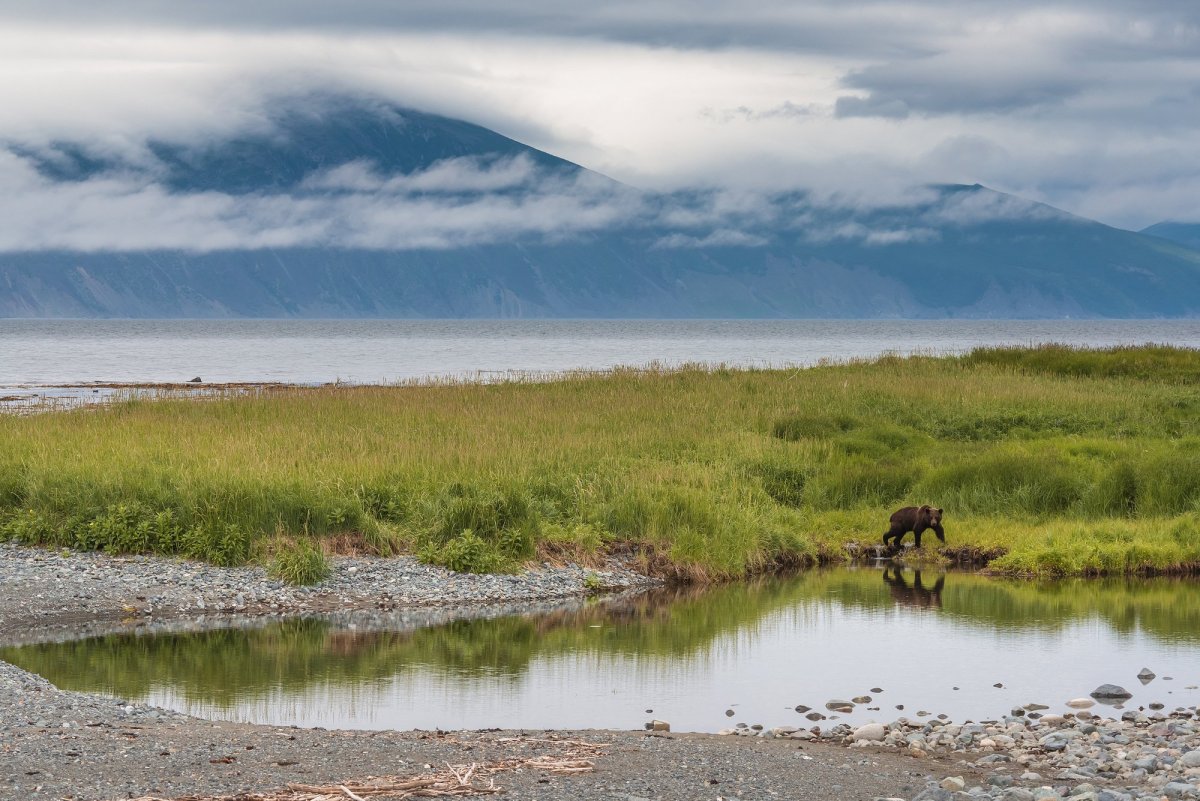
x: 454, y: 203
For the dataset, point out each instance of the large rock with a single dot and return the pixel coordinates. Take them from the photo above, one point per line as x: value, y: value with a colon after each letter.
x: 871, y: 732
x: 1111, y: 691
x: 1081, y: 703
x: 839, y: 706
x: 954, y: 784
x: 1181, y: 790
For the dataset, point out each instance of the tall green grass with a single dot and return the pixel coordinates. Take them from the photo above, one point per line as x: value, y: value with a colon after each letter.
x: 1069, y: 461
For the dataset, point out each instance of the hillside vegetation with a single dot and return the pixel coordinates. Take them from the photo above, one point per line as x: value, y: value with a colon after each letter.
x: 1054, y: 460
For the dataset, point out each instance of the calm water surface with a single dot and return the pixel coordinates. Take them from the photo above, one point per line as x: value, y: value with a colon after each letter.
x: 48, y: 352
x: 935, y: 643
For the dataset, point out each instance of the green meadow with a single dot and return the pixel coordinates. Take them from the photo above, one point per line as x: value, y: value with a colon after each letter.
x: 1048, y: 461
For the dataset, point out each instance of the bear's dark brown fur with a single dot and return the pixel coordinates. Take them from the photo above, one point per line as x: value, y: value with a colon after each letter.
x: 915, y: 519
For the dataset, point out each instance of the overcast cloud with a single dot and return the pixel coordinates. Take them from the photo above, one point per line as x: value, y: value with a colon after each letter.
x: 1089, y: 105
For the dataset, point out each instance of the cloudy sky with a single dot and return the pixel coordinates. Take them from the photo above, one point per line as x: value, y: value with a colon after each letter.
x: 1090, y: 105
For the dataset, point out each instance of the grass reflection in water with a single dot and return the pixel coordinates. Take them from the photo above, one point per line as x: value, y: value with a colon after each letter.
x: 226, y: 667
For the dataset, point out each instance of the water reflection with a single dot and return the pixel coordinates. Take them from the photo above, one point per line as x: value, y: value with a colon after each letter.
x: 758, y: 647
x: 914, y: 593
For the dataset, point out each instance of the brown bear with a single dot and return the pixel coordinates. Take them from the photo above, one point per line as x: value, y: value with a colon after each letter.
x: 915, y: 519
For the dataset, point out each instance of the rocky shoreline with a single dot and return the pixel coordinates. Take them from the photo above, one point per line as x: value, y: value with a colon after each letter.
x: 54, y: 594
x: 61, y: 744
x: 1120, y: 755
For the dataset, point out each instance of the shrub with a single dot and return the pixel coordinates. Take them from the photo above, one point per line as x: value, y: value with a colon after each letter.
x: 299, y: 562
x: 221, y: 543
x: 463, y: 553
x: 132, y: 528
x: 30, y: 527
x: 389, y: 503
x: 503, y: 518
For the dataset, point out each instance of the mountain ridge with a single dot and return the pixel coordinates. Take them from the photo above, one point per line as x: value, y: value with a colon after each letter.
x: 347, y: 207
x: 1183, y: 233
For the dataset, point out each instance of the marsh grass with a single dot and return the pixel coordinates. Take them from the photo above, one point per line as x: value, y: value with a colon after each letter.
x: 1068, y: 461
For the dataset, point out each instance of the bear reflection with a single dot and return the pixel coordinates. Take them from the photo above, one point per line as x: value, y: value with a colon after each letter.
x: 916, y: 593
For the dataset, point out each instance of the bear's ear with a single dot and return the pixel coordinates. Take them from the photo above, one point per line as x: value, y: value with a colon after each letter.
x: 938, y: 510
x: 924, y: 508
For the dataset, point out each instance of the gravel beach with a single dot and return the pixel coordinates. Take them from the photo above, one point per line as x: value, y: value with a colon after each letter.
x: 46, y: 594
x: 61, y: 744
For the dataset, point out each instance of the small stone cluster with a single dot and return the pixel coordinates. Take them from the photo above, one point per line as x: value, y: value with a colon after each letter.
x: 1029, y: 756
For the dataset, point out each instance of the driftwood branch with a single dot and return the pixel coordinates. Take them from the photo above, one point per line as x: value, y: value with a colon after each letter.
x: 475, y: 779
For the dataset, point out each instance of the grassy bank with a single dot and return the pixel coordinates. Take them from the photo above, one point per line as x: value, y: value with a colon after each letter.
x: 1068, y: 462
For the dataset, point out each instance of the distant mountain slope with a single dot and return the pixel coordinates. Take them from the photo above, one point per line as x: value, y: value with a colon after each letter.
x: 1184, y: 233
x: 376, y: 211
x: 299, y: 137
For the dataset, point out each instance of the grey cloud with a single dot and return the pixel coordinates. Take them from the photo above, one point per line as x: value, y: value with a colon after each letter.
x: 870, y: 106
x: 940, y: 86
x: 882, y: 28
x: 1087, y: 104
x: 817, y: 26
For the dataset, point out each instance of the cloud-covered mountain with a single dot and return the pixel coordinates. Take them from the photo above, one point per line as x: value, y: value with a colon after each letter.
x: 345, y: 207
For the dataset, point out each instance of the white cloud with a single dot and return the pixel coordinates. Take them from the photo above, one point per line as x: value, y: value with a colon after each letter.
x: 130, y: 211
x: 723, y: 237
x: 465, y: 174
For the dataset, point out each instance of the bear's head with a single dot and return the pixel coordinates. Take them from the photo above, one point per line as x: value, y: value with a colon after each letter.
x: 931, y: 516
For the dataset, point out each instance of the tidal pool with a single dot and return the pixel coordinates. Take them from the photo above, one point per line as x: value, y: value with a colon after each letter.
x: 934, y: 642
